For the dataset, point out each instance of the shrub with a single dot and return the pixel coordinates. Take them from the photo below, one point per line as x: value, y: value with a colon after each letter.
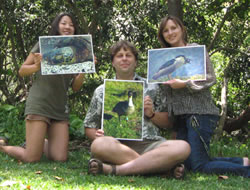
x: 76, y: 129
x: 12, y: 123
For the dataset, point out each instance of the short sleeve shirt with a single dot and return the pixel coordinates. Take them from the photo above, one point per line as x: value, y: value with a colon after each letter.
x: 48, y: 95
x: 150, y: 130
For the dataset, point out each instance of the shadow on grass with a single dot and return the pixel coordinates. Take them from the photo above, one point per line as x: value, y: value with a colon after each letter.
x: 70, y: 175
x: 73, y: 175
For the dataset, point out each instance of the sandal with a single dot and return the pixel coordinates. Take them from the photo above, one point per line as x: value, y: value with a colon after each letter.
x: 23, y: 145
x: 3, y: 141
x: 99, y: 167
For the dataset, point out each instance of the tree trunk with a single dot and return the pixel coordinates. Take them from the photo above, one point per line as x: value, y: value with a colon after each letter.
x: 175, y: 8
x: 220, y: 27
x: 83, y: 25
x: 233, y: 124
x: 223, y: 109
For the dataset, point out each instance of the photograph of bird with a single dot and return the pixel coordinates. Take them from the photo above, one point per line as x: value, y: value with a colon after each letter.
x: 171, y: 66
x: 107, y: 116
x: 120, y: 94
x: 125, y: 107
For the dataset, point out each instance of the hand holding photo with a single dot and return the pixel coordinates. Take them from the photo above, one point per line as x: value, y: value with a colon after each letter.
x: 185, y: 63
x: 123, y: 109
x: 66, y: 54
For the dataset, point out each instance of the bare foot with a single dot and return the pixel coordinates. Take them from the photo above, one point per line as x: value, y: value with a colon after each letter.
x: 3, y: 141
x: 246, y: 161
x: 179, y: 171
x: 97, y: 167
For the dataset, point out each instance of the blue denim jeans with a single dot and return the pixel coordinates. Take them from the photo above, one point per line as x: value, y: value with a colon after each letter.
x: 199, y: 139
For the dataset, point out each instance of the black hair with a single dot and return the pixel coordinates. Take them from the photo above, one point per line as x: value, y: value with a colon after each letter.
x: 55, y: 24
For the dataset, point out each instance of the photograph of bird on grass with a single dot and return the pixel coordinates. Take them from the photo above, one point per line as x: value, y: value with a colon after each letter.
x: 123, y: 109
x: 66, y: 54
x: 185, y: 63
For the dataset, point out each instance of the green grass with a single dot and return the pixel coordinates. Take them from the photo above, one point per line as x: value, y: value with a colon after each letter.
x: 73, y: 174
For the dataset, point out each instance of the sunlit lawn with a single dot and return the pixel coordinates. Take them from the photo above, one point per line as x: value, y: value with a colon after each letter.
x: 73, y: 175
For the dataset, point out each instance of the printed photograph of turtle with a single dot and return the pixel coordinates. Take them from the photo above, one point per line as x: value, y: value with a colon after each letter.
x: 66, y: 54
x: 123, y: 109
x: 185, y: 63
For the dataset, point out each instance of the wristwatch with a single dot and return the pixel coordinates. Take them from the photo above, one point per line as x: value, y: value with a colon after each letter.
x: 151, y: 116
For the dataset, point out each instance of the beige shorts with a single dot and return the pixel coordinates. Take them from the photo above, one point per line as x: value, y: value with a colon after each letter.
x: 142, y: 146
x: 34, y: 117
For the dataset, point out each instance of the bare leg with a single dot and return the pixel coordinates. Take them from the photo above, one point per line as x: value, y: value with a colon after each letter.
x: 56, y: 147
x: 159, y: 160
x: 46, y: 148
x: 116, y: 153
x: 246, y: 161
x: 35, y: 133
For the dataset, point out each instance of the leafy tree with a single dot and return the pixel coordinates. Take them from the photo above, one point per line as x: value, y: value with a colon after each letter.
x: 222, y: 25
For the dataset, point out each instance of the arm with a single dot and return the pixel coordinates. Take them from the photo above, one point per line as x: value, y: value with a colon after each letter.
x: 92, y: 121
x: 93, y: 133
x: 77, y: 82
x: 31, y: 65
x: 161, y: 120
x: 158, y: 118
x: 210, y: 78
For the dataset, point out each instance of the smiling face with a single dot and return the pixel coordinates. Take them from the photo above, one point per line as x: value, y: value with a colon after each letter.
x: 66, y: 26
x: 124, y: 62
x: 173, y: 34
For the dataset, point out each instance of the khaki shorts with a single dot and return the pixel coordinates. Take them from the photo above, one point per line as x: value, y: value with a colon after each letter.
x: 34, y: 117
x: 142, y: 146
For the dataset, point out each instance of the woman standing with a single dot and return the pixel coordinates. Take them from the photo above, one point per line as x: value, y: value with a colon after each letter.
x: 191, y: 105
x: 46, y: 111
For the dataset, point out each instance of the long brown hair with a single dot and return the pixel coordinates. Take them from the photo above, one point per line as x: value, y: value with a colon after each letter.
x: 163, y: 23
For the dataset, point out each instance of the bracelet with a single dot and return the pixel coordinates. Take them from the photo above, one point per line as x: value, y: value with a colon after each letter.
x: 151, y: 116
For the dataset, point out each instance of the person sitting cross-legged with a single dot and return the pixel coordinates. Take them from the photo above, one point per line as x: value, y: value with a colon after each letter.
x: 154, y: 154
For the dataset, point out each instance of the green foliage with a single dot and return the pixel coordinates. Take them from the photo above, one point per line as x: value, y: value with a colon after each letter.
x: 12, y: 123
x: 80, y: 100
x: 223, y: 147
x: 108, y: 21
x: 124, y: 129
x: 75, y: 129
